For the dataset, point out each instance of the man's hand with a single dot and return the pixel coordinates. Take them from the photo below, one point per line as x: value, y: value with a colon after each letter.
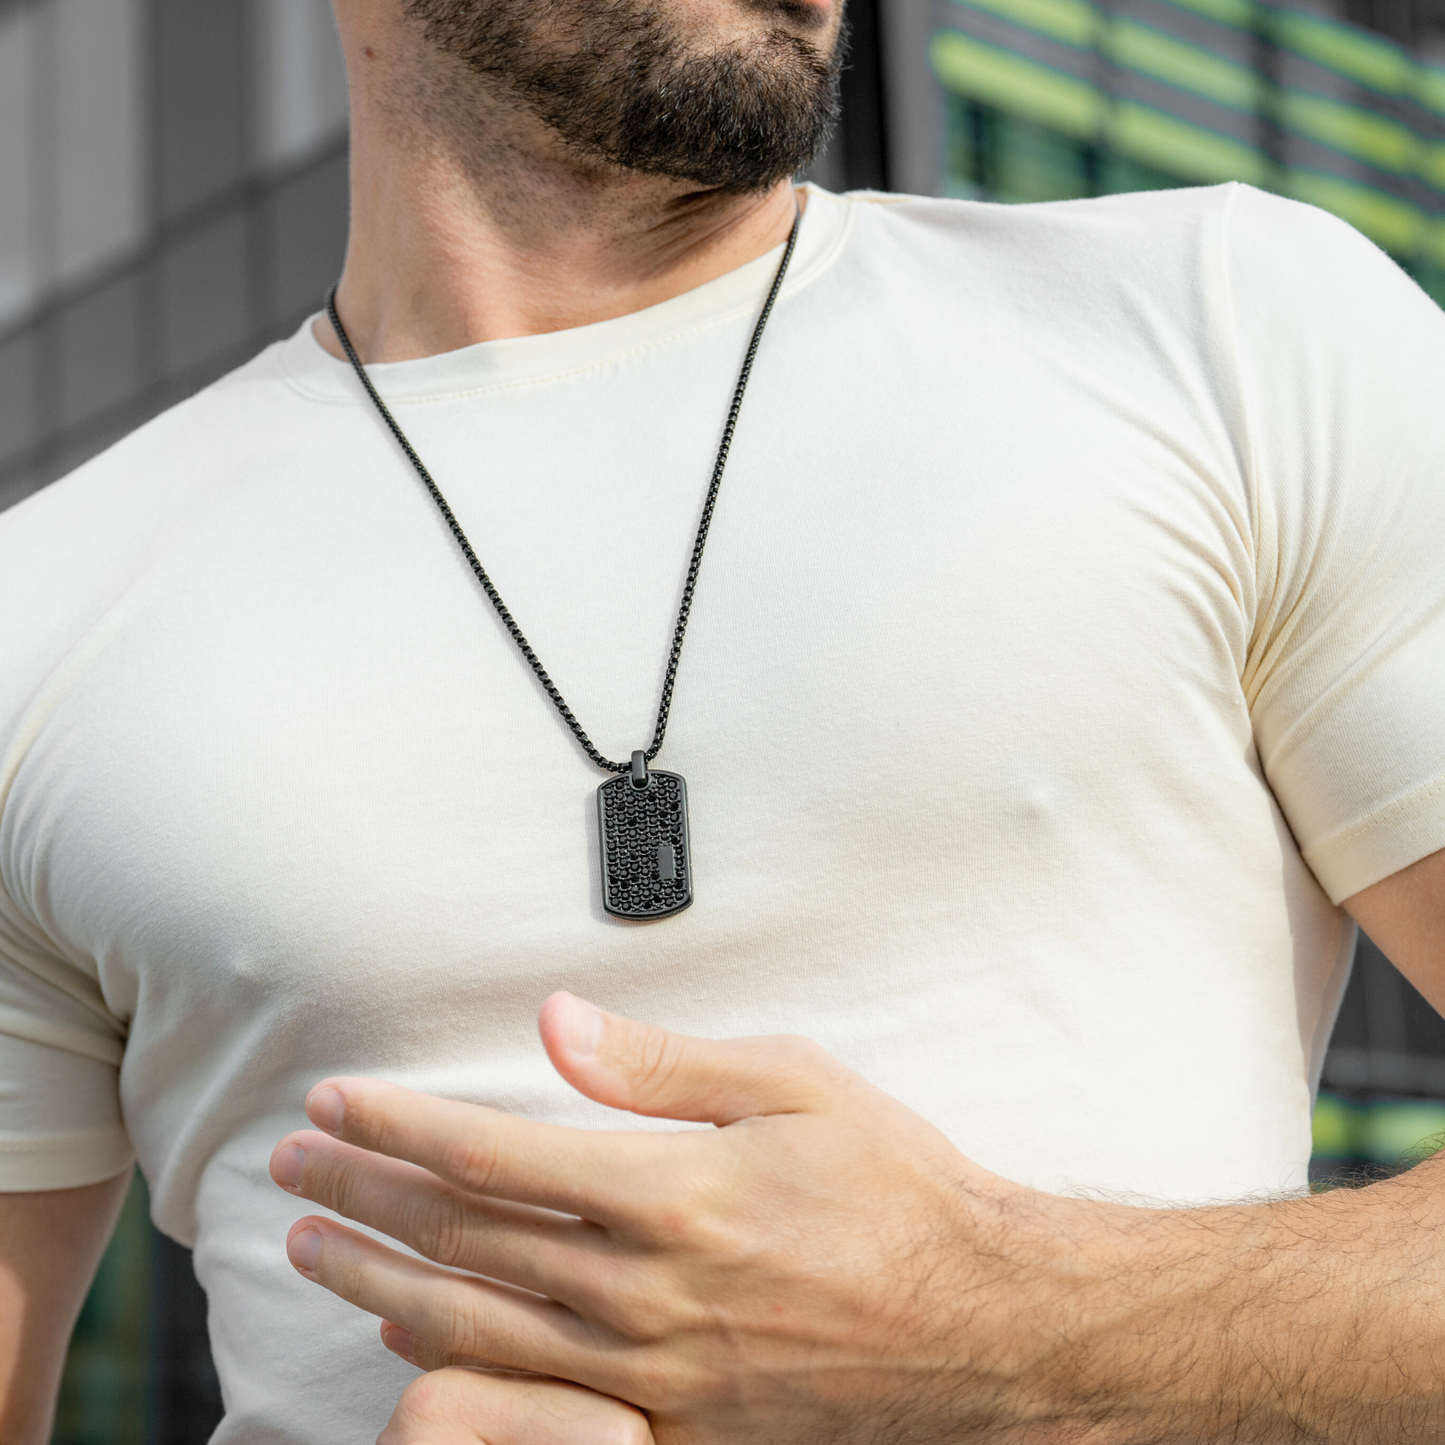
x: 824, y: 1265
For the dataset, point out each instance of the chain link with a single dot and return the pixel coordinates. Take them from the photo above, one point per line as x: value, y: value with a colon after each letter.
x: 664, y: 705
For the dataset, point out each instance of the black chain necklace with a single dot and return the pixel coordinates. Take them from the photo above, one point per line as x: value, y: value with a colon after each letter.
x: 642, y: 816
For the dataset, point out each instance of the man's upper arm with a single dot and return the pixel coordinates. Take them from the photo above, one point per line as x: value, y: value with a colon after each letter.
x: 50, y: 1244
x: 1405, y: 915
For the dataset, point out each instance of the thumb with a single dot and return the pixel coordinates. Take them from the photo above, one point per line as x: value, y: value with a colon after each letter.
x: 647, y: 1070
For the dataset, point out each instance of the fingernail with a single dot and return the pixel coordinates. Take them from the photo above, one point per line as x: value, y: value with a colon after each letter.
x: 581, y: 1027
x: 287, y: 1165
x: 326, y: 1108
x: 397, y: 1340
x: 304, y: 1250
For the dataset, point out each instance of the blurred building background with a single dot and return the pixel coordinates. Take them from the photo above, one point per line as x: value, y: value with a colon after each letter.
x: 1047, y: 99
x: 173, y: 197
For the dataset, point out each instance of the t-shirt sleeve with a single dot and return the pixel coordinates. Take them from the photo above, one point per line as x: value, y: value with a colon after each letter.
x: 60, y: 1047
x: 1341, y: 365
x: 60, y: 1121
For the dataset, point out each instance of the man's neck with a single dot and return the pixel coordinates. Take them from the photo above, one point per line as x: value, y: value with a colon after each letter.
x: 468, y: 234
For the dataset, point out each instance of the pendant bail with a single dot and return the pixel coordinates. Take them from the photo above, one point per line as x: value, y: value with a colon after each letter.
x: 639, y: 769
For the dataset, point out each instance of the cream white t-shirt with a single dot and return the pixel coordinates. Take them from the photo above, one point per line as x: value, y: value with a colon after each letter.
x: 1070, y: 641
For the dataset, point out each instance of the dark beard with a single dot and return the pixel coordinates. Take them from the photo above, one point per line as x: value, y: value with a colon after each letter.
x: 619, y: 85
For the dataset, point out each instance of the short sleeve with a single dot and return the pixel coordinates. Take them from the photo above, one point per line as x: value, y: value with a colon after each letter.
x: 1340, y: 359
x: 60, y: 1120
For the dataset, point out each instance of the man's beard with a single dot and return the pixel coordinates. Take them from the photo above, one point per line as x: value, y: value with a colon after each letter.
x: 620, y: 85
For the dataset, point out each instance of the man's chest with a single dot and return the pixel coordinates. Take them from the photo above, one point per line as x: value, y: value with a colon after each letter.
x: 908, y: 666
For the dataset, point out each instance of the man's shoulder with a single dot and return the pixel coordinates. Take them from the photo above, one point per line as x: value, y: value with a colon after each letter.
x: 70, y: 550
x: 164, y: 464
x: 1183, y: 206
x: 1130, y: 212
x: 1144, y: 234
x: 1119, y: 275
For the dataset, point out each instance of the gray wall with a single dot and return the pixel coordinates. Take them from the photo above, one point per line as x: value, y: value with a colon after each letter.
x: 172, y: 196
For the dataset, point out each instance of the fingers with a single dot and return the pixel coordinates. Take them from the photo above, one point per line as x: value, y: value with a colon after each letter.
x: 614, y: 1060
x: 417, y: 1351
x: 425, y: 1356
x: 472, y: 1318
x: 648, y: 1070
x: 482, y: 1151
x: 476, y: 1407
x: 551, y: 1254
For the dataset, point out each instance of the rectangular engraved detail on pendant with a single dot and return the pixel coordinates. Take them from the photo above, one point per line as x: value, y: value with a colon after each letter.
x: 646, y: 856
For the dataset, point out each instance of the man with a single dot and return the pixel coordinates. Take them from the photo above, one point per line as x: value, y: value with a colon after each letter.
x: 1062, y: 675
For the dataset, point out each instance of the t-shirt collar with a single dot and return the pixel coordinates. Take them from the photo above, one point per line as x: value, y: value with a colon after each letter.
x: 493, y: 365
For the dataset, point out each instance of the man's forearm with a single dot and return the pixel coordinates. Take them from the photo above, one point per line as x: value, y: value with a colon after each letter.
x: 1312, y: 1319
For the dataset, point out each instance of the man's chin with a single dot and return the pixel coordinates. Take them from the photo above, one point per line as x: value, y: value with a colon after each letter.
x: 627, y: 84
x: 733, y: 122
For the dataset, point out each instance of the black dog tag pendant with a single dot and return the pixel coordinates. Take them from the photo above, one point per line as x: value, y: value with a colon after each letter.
x: 646, y: 856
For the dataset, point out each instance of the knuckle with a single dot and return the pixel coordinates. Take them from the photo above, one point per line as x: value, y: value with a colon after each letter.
x: 807, y: 1050
x: 642, y: 1317
x: 673, y: 1222
x: 664, y: 1381
x: 458, y: 1329
x: 417, y: 1401
x: 804, y: 1055
x: 651, y: 1382
x: 658, y: 1058
x: 339, y: 1186
x: 429, y: 1398
x: 473, y: 1162
x: 797, y: 1064
x: 681, y: 1216
x: 440, y: 1230
x: 656, y: 1311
